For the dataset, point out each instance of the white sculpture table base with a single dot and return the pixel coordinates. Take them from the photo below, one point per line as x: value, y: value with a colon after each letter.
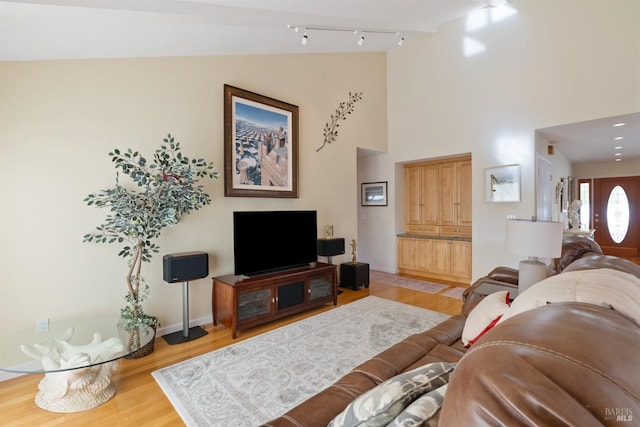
x: 77, y: 390
x: 80, y: 379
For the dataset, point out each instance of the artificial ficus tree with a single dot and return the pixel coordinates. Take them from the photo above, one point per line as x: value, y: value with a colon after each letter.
x: 159, y: 194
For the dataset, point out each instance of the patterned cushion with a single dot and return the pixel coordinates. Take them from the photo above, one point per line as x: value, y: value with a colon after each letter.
x: 423, y: 411
x: 380, y: 405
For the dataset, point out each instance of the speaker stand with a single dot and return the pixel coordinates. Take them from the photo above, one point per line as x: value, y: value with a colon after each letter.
x: 187, y: 333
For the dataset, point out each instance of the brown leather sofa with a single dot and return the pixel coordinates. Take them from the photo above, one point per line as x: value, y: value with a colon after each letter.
x: 574, y: 247
x: 571, y: 364
x: 564, y: 364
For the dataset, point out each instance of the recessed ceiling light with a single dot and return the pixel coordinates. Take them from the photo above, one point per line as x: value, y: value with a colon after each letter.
x: 618, y: 154
x: 617, y: 160
x: 619, y: 124
x: 618, y: 138
x: 618, y: 147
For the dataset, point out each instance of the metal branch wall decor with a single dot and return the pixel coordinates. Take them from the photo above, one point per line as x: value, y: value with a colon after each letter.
x: 343, y: 110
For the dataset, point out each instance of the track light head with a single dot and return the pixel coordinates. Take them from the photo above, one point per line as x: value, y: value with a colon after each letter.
x: 401, y: 41
x: 361, y: 40
x: 305, y: 38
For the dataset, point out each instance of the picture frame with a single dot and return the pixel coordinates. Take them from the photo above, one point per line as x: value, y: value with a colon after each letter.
x: 374, y: 193
x: 328, y: 231
x: 502, y: 184
x: 260, y: 145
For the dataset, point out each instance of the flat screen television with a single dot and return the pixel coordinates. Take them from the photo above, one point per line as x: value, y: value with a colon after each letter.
x: 268, y: 241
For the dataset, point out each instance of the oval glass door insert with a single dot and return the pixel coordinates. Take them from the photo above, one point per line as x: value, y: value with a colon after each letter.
x: 618, y: 214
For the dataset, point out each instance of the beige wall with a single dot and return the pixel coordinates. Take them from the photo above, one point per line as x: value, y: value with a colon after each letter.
x: 551, y: 63
x: 629, y: 167
x: 59, y: 119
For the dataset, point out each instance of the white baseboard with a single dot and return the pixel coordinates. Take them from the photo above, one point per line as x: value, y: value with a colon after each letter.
x: 383, y: 269
x: 32, y: 365
x: 165, y: 330
x: 4, y: 376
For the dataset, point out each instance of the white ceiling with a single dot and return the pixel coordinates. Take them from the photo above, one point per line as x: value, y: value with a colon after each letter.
x: 595, y: 140
x: 63, y: 29
x: 82, y: 29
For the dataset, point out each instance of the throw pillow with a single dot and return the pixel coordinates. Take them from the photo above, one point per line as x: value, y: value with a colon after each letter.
x: 423, y: 411
x: 484, y: 316
x: 380, y: 405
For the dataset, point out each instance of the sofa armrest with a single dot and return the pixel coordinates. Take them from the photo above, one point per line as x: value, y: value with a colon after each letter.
x: 575, y: 247
x: 504, y: 274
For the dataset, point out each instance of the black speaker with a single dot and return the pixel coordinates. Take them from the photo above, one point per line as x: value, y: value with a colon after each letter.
x: 185, y: 266
x: 330, y: 247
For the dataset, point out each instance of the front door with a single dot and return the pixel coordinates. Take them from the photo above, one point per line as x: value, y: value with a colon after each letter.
x: 616, y: 212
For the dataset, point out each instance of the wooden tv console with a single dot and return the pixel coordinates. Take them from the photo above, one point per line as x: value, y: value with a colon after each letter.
x: 241, y: 302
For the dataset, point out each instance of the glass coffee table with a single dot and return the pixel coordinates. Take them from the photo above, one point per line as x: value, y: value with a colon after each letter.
x: 77, y: 357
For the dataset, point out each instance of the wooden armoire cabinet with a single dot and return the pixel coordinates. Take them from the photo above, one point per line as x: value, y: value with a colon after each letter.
x: 421, y: 198
x: 454, y: 197
x: 437, y: 238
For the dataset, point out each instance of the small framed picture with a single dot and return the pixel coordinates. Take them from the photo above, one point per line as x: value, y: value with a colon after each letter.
x: 374, y: 193
x: 328, y: 231
x: 503, y: 184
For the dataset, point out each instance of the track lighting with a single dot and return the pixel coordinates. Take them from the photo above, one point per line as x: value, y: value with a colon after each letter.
x: 305, y: 36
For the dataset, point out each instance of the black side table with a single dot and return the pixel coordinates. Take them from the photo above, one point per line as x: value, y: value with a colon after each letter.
x: 354, y: 275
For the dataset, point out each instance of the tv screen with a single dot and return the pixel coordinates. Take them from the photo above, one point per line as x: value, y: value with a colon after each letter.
x: 266, y: 241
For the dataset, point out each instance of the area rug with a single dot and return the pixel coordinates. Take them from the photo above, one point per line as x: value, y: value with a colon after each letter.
x: 253, y: 381
x: 455, y: 292
x: 406, y: 282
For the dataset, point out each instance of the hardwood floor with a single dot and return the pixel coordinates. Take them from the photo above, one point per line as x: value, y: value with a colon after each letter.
x: 139, y: 401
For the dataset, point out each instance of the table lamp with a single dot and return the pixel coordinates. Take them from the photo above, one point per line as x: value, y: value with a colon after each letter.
x: 535, y: 239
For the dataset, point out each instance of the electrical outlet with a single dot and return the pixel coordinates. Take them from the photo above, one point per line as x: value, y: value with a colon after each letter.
x: 42, y: 325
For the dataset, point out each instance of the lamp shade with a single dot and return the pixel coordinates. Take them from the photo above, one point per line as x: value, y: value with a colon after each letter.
x: 541, y: 239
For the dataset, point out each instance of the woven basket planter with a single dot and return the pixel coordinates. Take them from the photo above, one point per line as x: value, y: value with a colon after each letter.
x: 134, y: 339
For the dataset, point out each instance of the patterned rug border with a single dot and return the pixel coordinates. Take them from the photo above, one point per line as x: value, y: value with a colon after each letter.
x: 406, y: 282
x: 190, y: 385
x: 455, y: 292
